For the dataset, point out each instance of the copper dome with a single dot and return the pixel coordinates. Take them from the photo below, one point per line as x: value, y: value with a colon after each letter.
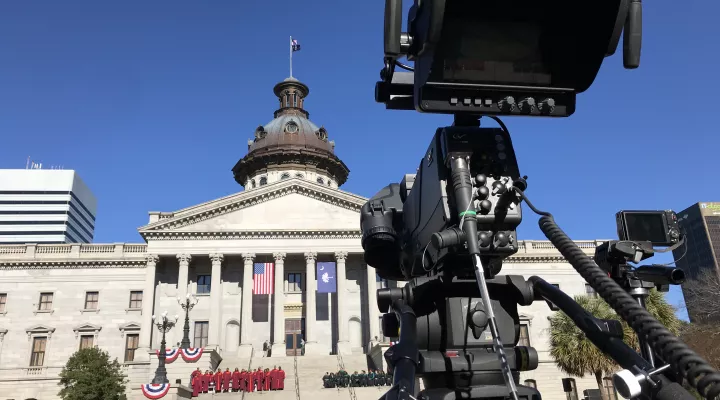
x: 290, y: 139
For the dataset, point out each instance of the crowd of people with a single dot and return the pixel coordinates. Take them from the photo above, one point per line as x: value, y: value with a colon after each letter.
x: 363, y: 379
x: 237, y: 381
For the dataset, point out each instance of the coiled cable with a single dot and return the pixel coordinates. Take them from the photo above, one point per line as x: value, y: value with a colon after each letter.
x: 683, y: 360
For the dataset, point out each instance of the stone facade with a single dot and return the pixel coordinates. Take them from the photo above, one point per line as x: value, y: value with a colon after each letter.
x: 296, y: 221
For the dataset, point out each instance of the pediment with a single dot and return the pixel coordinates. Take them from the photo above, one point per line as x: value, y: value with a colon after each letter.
x: 292, y: 205
x: 129, y: 326
x: 87, y: 328
x: 39, y: 329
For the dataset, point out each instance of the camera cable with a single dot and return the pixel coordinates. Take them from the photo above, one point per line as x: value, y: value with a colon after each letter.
x: 682, y: 359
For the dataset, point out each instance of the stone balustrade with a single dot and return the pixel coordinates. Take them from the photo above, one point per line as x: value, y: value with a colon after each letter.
x: 71, y: 251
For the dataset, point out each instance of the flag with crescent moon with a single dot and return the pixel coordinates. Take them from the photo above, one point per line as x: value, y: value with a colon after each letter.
x: 326, y: 278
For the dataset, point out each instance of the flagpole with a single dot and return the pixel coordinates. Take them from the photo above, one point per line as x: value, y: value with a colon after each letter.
x: 291, y: 51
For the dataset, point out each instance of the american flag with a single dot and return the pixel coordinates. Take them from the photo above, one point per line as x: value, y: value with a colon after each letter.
x: 263, y: 278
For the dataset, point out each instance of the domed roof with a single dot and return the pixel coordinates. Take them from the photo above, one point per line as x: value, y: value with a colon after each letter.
x: 291, y: 130
x: 291, y: 138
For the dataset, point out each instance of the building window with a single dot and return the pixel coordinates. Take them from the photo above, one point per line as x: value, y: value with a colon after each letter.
x: 203, y: 284
x: 263, y: 181
x: 37, y: 358
x: 570, y: 389
x: 252, y: 182
x: 320, y: 180
x: 589, y: 291
x: 609, y: 389
x: 136, y: 299
x: 285, y: 175
x: 200, y: 339
x: 294, y: 97
x: 530, y: 383
x: 301, y: 176
x: 3, y: 301
x: 131, y: 344
x: 86, y: 341
x: 91, y: 300
x: 294, y: 282
x: 46, y: 300
x: 524, y: 339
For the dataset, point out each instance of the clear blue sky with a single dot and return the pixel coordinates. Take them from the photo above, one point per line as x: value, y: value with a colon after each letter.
x: 153, y: 103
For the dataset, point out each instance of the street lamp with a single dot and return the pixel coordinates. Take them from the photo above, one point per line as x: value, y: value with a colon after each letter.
x: 164, y: 325
x: 187, y: 305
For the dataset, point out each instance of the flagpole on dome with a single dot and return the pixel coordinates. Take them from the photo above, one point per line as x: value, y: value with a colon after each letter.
x: 291, y: 51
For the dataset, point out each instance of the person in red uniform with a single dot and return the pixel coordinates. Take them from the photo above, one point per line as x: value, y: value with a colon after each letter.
x: 258, y: 377
x: 218, y: 378
x: 281, y: 378
x: 243, y: 384
x: 227, y: 377
x: 273, y: 378
x: 196, y: 382
x: 236, y: 380
x: 205, y: 379
x: 266, y: 379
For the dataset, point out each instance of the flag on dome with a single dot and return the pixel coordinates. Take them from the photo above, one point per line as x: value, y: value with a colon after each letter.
x: 295, y: 45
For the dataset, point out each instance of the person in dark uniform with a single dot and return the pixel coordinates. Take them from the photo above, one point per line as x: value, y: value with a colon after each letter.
x: 363, y: 378
x: 326, y: 380
x: 332, y: 380
x: 379, y: 378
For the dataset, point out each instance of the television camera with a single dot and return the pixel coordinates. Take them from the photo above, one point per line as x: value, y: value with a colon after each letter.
x: 448, y: 228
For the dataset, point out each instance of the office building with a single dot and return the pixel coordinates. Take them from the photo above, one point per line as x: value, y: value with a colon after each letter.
x: 45, y: 206
x: 701, y: 224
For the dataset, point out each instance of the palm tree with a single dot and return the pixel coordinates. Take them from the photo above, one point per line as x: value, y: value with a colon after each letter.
x: 577, y: 356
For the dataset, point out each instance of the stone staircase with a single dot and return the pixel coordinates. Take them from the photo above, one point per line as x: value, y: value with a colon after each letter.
x: 303, y: 378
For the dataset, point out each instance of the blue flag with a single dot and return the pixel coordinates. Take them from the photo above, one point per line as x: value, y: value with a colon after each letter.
x: 326, y: 279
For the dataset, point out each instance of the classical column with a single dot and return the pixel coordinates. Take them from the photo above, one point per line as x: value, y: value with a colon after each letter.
x: 373, y: 312
x: 343, y: 345
x: 183, y: 267
x: 311, y: 344
x: 245, y: 349
x: 151, y: 261
x: 182, y: 290
x: 278, y: 347
x: 215, y: 302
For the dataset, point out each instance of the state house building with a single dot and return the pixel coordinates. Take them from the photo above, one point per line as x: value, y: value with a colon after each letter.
x: 291, y: 215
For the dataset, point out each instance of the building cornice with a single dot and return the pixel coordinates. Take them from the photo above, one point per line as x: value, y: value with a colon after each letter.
x: 70, y: 264
x: 243, y: 200
x: 246, y: 235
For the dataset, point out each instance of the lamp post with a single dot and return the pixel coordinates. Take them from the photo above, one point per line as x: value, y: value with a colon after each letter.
x: 164, y: 324
x: 187, y: 305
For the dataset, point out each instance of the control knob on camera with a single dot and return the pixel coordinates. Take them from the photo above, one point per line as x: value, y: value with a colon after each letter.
x: 547, y: 106
x: 527, y: 105
x: 507, y: 104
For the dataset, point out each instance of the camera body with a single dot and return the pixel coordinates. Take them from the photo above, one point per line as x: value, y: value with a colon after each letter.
x: 658, y: 227
x: 410, y: 229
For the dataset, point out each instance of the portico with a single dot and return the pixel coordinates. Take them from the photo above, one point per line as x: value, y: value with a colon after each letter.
x: 287, y: 295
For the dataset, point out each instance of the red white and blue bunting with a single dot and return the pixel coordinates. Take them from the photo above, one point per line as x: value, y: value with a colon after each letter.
x: 191, y: 354
x: 155, y: 391
x: 170, y: 355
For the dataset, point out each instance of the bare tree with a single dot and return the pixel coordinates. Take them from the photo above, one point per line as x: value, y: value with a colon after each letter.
x: 702, y: 294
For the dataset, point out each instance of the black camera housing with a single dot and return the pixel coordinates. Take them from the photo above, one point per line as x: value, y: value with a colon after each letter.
x: 502, y: 58
x: 658, y: 227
